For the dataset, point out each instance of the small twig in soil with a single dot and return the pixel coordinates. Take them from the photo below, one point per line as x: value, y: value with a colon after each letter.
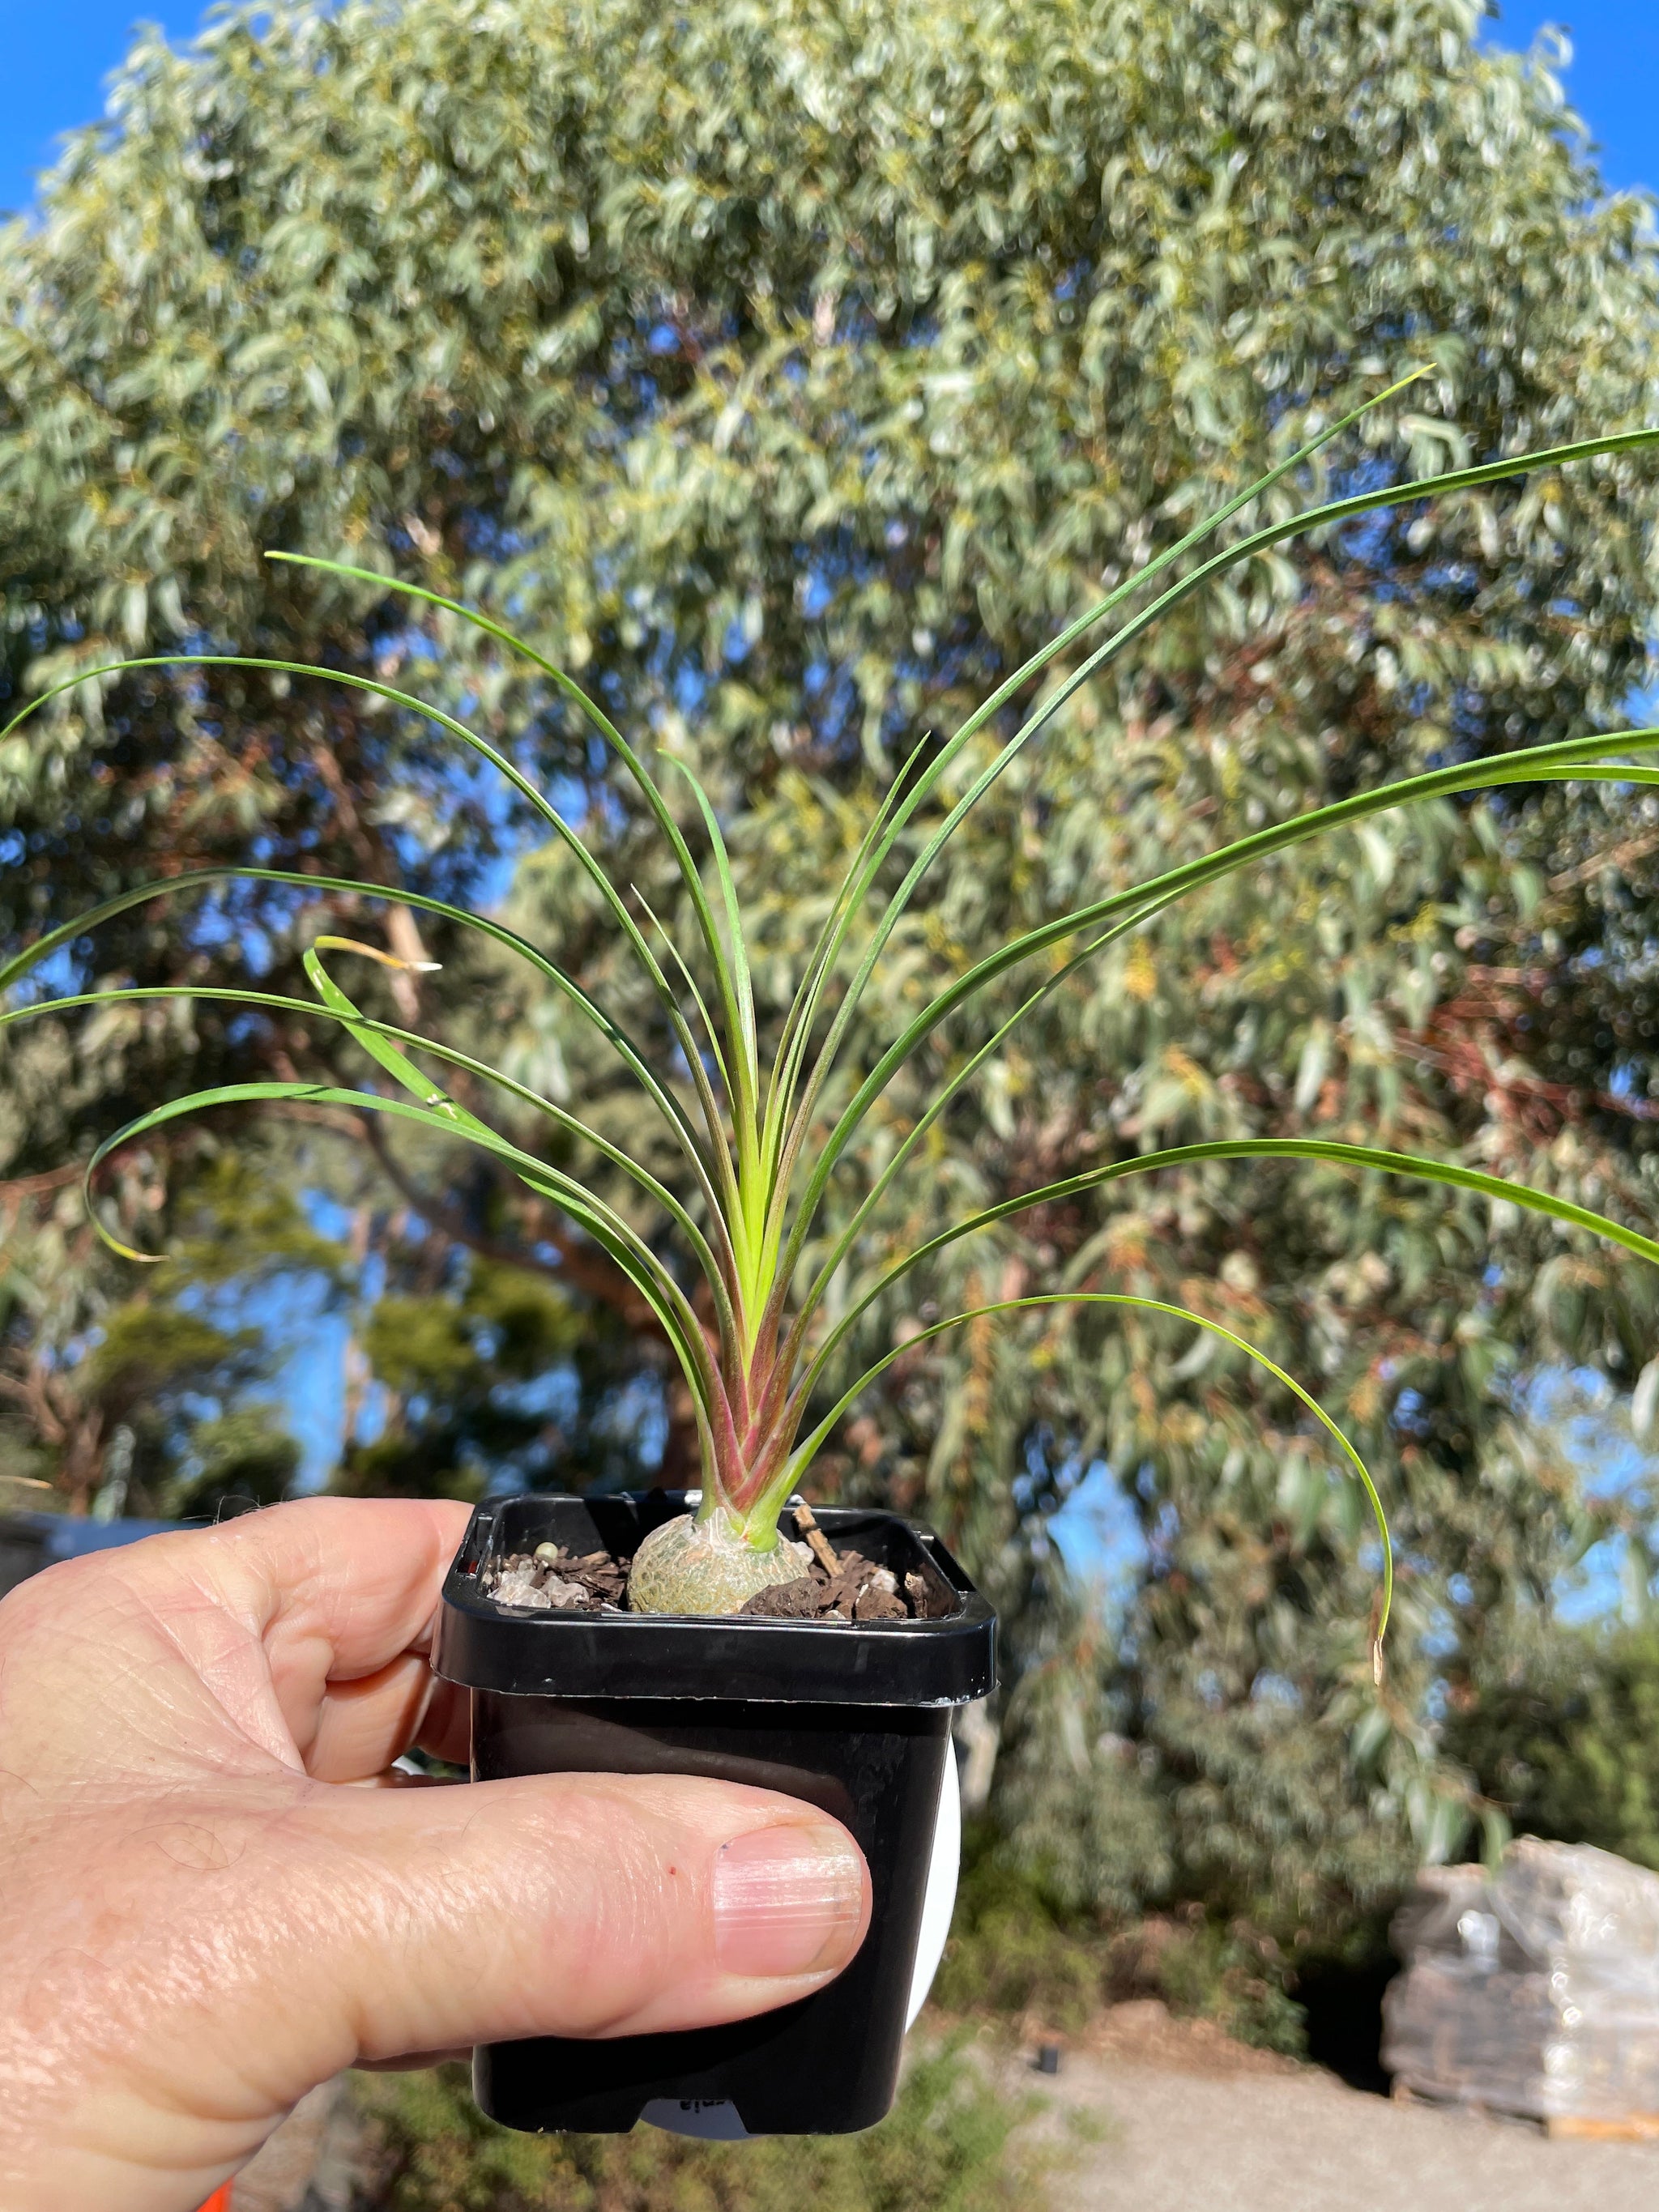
x: 823, y: 1550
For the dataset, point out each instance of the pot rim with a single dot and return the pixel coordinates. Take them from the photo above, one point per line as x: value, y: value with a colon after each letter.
x: 736, y: 1658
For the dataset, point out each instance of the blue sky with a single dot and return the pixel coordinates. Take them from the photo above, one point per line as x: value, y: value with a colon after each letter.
x: 54, y: 57
x: 1614, y: 79
x: 57, y: 54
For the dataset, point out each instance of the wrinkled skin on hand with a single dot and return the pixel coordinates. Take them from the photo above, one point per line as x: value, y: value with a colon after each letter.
x: 209, y: 1906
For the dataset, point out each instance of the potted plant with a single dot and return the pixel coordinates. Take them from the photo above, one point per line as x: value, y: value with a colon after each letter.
x: 726, y: 1632
x: 850, y: 1711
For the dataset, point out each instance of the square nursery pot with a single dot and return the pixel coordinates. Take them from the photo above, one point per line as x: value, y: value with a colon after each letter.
x: 854, y: 1716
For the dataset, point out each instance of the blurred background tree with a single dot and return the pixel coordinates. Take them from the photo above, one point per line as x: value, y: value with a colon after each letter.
x: 787, y: 370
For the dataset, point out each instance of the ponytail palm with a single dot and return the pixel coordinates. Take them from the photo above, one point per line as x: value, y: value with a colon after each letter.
x: 757, y: 1312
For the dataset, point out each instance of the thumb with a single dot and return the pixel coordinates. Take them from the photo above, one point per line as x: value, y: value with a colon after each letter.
x: 556, y: 1904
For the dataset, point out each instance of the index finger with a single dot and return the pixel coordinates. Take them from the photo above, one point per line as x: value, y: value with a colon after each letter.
x: 351, y: 1581
x: 302, y: 1599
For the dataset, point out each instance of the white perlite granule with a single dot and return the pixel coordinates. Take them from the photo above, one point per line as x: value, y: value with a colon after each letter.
x: 518, y: 1587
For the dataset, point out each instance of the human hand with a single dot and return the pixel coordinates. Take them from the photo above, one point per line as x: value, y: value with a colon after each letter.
x: 202, y: 1918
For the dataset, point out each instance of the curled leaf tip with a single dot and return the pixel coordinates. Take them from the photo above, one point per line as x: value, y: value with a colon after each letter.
x: 373, y: 953
x: 108, y: 1237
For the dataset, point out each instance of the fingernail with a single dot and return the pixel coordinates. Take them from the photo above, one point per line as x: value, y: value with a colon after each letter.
x: 787, y: 1901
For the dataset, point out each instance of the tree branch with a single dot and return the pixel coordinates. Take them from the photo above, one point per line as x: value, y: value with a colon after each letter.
x: 399, y: 921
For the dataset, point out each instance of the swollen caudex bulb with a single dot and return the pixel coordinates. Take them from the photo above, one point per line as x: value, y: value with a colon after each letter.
x: 691, y: 1567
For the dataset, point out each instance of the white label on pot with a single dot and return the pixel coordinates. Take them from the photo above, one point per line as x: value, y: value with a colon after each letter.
x: 940, y: 1900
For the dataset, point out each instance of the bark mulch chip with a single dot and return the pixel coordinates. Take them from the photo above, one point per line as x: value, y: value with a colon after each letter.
x: 858, y: 1591
x: 552, y: 1580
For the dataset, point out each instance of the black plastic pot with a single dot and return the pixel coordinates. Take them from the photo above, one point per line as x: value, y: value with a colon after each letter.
x: 853, y: 1717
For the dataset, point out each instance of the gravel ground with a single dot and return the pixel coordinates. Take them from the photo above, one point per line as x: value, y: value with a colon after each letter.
x: 1296, y: 2140
x: 1161, y: 2115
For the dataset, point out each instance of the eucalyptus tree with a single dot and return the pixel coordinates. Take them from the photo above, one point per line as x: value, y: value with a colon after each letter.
x: 787, y: 374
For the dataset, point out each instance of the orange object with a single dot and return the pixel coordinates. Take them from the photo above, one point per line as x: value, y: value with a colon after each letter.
x: 220, y: 2200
